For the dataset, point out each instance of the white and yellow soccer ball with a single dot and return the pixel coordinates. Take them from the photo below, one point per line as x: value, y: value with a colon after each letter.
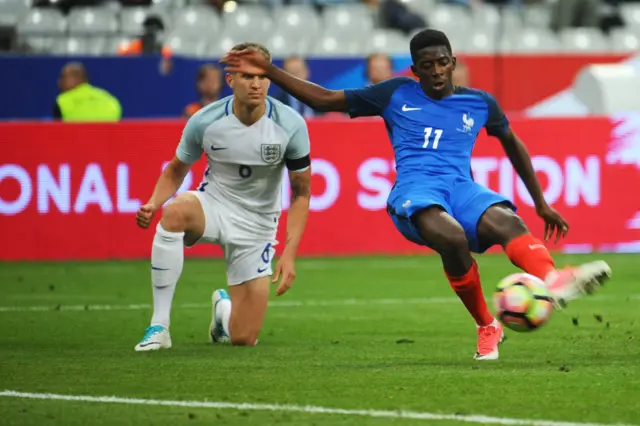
x: 522, y: 302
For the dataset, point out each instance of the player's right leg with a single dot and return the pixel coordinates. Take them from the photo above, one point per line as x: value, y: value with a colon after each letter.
x: 183, y: 221
x: 249, y: 248
x: 445, y: 235
x: 241, y: 325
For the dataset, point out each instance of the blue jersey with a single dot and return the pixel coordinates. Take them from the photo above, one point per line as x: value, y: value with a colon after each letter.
x: 429, y: 137
x: 433, y: 141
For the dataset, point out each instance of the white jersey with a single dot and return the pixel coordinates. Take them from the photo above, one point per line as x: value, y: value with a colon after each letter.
x: 245, y: 163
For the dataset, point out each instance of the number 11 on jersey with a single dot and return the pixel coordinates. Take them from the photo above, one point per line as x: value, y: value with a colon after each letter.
x: 427, y: 136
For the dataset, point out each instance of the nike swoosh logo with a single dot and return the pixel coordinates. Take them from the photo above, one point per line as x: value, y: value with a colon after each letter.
x: 215, y: 148
x: 405, y: 108
x: 536, y: 246
x: 262, y: 270
x: 159, y: 269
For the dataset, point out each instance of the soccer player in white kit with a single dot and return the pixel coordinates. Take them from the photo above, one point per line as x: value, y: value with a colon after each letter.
x: 247, y: 138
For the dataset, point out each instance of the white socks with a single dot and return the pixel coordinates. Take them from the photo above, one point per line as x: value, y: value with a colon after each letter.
x: 223, y: 313
x: 167, y: 258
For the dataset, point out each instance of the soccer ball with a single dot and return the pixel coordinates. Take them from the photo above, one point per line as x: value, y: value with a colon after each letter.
x: 522, y: 302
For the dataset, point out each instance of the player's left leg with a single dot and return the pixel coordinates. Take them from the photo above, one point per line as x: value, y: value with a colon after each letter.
x: 500, y: 225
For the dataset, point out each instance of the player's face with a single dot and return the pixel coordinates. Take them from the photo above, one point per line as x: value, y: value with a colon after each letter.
x: 249, y: 89
x: 434, y: 68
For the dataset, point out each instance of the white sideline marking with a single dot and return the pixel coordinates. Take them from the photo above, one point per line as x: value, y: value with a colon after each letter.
x: 310, y: 409
x: 273, y: 304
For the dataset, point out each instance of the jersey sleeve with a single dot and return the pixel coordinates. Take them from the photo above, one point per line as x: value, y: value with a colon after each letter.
x: 372, y: 100
x: 298, y: 149
x: 190, y: 147
x: 497, y: 122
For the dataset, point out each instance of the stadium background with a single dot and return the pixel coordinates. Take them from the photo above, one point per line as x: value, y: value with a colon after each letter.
x: 93, y: 176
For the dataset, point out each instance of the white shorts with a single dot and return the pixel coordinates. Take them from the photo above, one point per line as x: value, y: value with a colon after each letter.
x: 247, y: 238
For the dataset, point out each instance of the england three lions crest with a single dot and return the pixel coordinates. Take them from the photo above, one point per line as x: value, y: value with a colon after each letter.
x: 270, y: 153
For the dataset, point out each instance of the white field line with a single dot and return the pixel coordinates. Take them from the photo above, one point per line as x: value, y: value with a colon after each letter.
x: 308, y: 409
x: 272, y: 304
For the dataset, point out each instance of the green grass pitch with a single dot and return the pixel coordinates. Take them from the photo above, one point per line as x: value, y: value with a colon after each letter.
x: 364, y: 333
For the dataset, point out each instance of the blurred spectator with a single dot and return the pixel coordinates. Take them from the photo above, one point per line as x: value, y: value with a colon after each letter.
x: 475, y: 4
x: 611, y: 16
x: 461, y: 2
x: 461, y: 74
x: 378, y: 68
x: 216, y: 4
x: 575, y: 13
x: 499, y: 2
x: 136, y: 2
x: 208, y: 86
x: 8, y: 37
x: 396, y: 15
x: 317, y: 3
x: 149, y: 43
x: 296, y: 66
x: 66, y: 5
x: 80, y: 101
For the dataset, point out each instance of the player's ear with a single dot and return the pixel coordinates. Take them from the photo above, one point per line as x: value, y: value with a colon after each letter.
x: 414, y: 70
x: 454, y: 61
x: 229, y: 79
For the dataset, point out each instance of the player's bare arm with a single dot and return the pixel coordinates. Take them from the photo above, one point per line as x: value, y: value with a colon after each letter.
x: 300, y: 183
x: 521, y: 161
x: 317, y: 97
x: 168, y: 183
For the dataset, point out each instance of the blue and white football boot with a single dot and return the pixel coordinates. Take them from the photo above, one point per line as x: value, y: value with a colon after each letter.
x: 155, y: 337
x: 216, y: 331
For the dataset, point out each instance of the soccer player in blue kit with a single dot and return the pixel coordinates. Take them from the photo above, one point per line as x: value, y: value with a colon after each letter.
x: 434, y: 202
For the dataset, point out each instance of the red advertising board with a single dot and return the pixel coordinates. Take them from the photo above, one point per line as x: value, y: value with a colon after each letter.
x: 71, y: 191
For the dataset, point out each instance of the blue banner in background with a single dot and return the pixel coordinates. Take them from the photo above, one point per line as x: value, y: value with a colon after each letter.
x: 28, y: 84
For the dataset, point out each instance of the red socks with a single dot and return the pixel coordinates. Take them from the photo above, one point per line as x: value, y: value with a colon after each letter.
x: 469, y: 290
x: 531, y: 255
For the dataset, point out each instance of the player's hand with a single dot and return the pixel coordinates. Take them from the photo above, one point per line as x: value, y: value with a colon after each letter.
x: 286, y: 270
x: 247, y: 61
x: 145, y: 215
x: 554, y: 223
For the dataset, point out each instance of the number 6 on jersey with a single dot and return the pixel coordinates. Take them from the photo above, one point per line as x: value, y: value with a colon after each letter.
x: 427, y: 135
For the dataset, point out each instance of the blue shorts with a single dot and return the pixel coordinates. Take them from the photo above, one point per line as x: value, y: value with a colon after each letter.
x: 461, y: 197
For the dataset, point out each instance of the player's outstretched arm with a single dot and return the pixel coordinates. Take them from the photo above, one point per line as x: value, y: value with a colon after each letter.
x: 251, y: 61
x: 296, y: 222
x: 167, y: 185
x: 521, y: 161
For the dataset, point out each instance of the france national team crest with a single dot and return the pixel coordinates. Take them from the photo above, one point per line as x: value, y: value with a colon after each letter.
x: 270, y: 153
x: 467, y: 123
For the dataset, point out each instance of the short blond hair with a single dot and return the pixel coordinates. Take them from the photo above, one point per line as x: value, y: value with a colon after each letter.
x: 257, y: 46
